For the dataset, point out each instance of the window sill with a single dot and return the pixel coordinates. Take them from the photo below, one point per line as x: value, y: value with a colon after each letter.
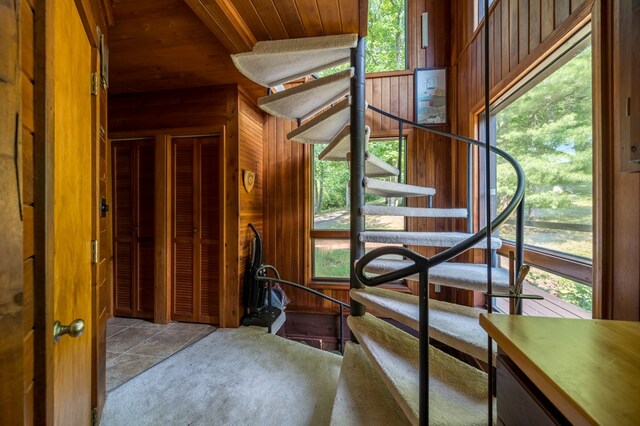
x: 573, y: 269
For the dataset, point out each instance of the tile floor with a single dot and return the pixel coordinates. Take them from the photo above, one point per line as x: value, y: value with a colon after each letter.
x: 133, y: 345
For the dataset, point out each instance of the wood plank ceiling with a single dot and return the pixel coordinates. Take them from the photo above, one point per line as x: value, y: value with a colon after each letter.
x: 168, y: 44
x: 279, y: 19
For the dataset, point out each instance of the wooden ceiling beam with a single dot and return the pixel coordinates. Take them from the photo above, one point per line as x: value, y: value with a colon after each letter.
x: 224, y: 21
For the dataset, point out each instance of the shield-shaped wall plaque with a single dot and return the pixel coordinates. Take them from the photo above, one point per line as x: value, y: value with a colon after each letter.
x: 248, y: 179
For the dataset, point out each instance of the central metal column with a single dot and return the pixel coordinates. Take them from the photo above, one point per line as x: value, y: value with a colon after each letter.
x: 357, y: 166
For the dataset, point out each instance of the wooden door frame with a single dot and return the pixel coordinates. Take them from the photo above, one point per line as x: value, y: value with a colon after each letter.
x: 44, y: 60
x: 163, y: 167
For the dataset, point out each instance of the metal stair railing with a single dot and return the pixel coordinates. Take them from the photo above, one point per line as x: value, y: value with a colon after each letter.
x: 422, y: 264
x: 262, y: 275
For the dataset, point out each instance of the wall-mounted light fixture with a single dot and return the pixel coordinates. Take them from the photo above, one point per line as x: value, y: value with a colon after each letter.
x: 425, y: 30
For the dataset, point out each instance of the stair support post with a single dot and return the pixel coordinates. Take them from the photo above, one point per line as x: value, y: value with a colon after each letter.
x: 519, y: 248
x: 358, y: 103
x: 424, y: 348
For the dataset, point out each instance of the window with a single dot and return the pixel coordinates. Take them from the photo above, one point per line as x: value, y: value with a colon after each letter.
x: 386, y: 36
x: 546, y: 124
x: 330, y: 189
x: 479, y: 11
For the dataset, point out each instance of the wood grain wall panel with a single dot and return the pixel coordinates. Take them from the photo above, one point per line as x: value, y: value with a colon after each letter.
x: 251, y: 158
x: 163, y: 45
x: 168, y: 109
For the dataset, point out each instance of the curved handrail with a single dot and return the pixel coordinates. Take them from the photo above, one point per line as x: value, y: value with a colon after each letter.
x: 263, y: 268
x: 261, y: 275
x: 459, y: 248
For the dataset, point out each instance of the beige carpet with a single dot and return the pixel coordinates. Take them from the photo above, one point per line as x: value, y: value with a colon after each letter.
x: 231, y: 377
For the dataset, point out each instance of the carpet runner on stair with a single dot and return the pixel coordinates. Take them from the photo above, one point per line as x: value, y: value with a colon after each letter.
x: 433, y: 239
x: 304, y: 100
x: 467, y: 276
x: 325, y: 126
x: 372, y: 210
x: 385, y: 188
x: 275, y: 62
x: 457, y: 391
x: 454, y: 325
x: 362, y: 398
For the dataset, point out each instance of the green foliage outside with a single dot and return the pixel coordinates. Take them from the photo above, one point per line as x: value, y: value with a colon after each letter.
x: 386, y: 38
x: 549, y: 131
x: 331, y: 178
x: 331, y: 263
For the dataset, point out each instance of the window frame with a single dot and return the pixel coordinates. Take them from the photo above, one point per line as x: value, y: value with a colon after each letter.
x: 562, y: 264
x: 321, y: 234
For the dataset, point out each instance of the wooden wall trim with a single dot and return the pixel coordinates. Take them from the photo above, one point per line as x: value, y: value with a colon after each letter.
x: 43, y: 155
x: 229, y: 293
x: 162, y: 237
x: 226, y: 24
x: 11, y: 249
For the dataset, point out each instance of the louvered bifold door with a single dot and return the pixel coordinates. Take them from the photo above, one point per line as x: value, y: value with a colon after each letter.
x: 209, y: 230
x: 123, y: 246
x: 183, y: 213
x: 134, y: 227
x: 145, y: 229
x: 195, y: 229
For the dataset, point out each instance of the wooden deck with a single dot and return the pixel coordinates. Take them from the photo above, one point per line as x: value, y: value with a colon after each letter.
x: 551, y: 306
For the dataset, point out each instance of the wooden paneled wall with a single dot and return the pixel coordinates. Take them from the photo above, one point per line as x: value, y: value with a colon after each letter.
x: 250, y: 139
x: 167, y: 112
x: 28, y: 130
x: 16, y: 201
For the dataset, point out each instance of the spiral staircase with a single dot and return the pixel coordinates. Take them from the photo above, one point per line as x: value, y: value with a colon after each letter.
x: 380, y: 381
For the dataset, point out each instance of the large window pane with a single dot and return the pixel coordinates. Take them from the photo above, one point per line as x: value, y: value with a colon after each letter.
x: 331, y: 189
x: 548, y: 130
x: 386, y: 36
x: 331, y: 257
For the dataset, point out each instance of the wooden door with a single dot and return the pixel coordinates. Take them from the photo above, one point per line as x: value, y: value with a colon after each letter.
x: 196, y: 229
x: 71, y: 214
x: 134, y: 227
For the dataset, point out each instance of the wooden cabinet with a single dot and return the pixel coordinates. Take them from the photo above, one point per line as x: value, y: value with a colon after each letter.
x: 133, y: 227
x: 196, y: 229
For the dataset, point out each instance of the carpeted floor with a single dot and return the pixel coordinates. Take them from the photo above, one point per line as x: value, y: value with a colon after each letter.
x: 238, y: 376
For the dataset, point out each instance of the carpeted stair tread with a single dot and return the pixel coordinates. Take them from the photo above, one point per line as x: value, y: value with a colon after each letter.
x: 338, y: 150
x: 340, y: 145
x: 394, y: 189
x: 362, y: 398
x: 457, y: 391
x: 467, y: 276
x: 275, y: 62
x: 325, y: 126
x: 304, y: 100
x: 376, y: 167
x: 454, y: 325
x: 432, y: 239
x: 372, y: 210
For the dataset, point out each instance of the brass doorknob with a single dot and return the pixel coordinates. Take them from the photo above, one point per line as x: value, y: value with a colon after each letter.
x: 75, y: 329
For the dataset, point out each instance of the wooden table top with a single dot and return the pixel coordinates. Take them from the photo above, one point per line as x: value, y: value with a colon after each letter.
x: 589, y: 369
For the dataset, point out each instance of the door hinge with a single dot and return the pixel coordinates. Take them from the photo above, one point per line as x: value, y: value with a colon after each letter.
x: 94, y: 416
x: 94, y: 83
x: 94, y: 251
